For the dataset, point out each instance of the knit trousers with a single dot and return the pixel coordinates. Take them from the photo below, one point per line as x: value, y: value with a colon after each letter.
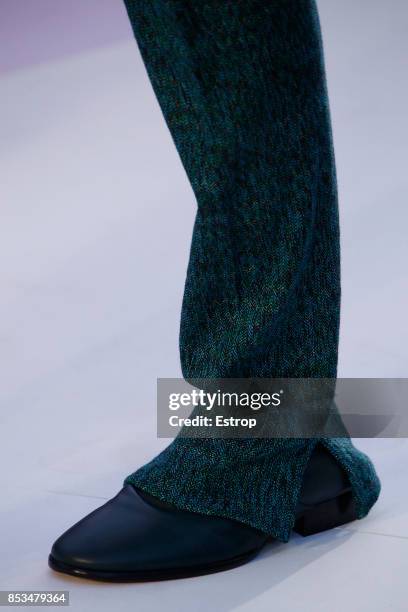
x: 241, y: 85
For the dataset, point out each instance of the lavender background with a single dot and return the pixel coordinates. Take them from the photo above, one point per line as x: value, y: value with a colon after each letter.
x: 36, y: 31
x: 91, y: 184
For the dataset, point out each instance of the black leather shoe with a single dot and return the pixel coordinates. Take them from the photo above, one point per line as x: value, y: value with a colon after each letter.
x: 136, y: 537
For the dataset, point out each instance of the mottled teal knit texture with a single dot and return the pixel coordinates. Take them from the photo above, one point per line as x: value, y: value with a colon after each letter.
x: 242, y: 88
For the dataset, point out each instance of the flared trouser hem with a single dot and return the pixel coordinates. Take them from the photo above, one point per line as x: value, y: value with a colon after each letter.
x: 255, y: 482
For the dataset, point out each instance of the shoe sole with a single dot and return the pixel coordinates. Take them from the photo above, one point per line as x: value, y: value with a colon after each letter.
x: 151, y: 575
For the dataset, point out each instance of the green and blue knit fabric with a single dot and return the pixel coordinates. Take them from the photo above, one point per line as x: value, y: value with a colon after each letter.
x: 241, y: 84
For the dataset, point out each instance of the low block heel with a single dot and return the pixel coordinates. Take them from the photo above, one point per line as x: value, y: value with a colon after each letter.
x: 327, y: 515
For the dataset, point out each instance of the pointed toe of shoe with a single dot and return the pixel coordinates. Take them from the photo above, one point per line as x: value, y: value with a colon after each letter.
x: 102, y: 540
x: 136, y: 537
